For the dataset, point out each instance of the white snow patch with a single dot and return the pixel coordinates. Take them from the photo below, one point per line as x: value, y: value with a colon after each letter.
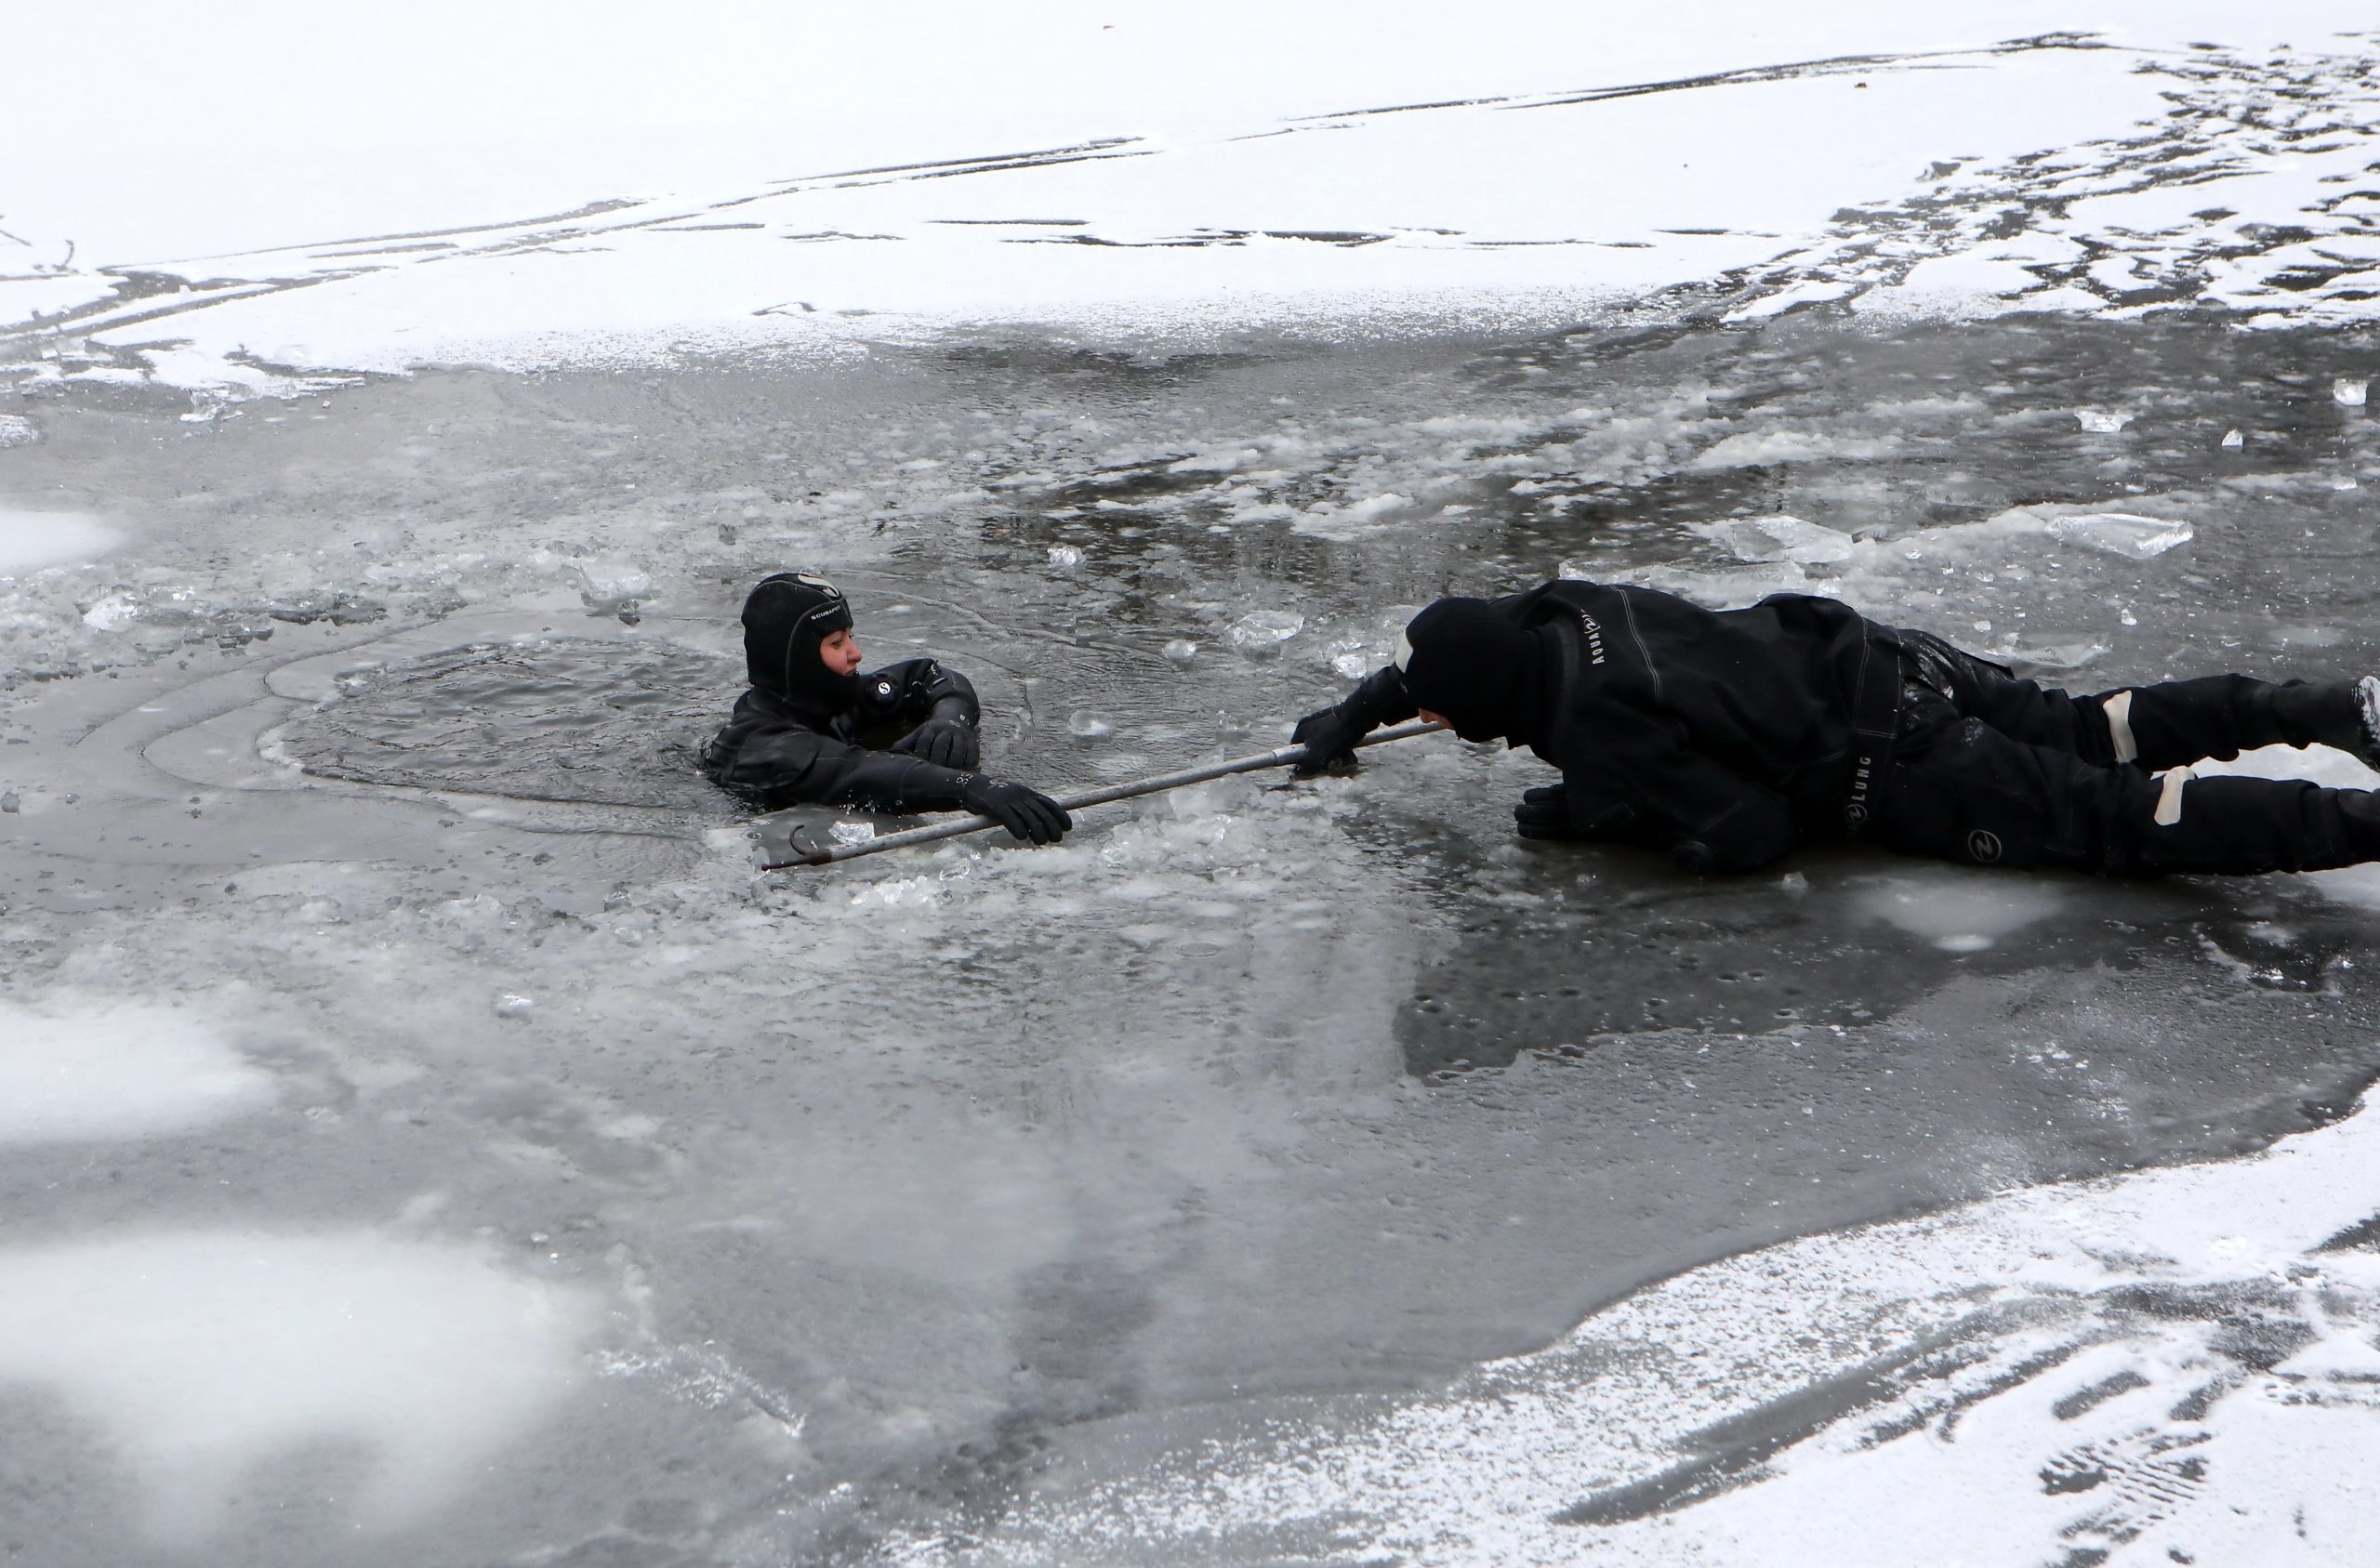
x: 29, y: 541
x: 118, y: 1070
x: 203, y: 1355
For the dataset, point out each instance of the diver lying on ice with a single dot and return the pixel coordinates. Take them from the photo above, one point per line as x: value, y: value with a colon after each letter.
x: 814, y: 731
x: 1729, y: 738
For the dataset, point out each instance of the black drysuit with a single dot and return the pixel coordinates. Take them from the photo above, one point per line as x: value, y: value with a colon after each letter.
x: 1730, y: 737
x: 780, y: 749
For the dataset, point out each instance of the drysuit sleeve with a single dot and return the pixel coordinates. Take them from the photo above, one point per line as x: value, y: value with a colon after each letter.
x: 788, y: 766
x: 1636, y: 778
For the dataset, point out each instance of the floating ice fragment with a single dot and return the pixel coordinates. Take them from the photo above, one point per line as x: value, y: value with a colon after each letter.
x: 2350, y: 391
x: 117, y: 610
x: 9, y: 803
x: 612, y: 587
x: 15, y: 431
x: 1180, y: 652
x: 1064, y: 561
x: 1779, y: 538
x: 2233, y: 438
x: 851, y: 833
x: 2101, y: 420
x: 2056, y: 656
x: 1259, y: 633
x: 1085, y: 725
x: 1352, y: 658
x: 510, y: 1005
x: 2124, y: 533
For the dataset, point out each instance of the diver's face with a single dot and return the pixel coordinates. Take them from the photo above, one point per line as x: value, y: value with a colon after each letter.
x: 839, y: 653
x: 1456, y: 725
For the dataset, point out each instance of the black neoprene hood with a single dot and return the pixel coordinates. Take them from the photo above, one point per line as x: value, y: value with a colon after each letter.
x: 1473, y: 665
x: 785, y: 617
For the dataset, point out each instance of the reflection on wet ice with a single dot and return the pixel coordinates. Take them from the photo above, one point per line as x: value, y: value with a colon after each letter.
x: 1960, y: 911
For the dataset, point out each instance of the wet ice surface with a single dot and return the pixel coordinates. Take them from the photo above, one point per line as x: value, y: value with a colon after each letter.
x: 947, y: 1202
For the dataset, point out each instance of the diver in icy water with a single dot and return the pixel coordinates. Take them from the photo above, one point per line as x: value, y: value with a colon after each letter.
x: 1729, y: 738
x: 809, y: 731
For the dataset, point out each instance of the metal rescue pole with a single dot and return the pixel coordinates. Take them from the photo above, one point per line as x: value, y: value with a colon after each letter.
x: 1279, y: 756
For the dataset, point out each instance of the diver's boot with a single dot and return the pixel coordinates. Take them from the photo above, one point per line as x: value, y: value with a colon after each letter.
x: 2338, y: 713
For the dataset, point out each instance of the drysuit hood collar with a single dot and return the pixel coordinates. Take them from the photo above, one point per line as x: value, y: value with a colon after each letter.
x: 1472, y: 662
x: 785, y: 617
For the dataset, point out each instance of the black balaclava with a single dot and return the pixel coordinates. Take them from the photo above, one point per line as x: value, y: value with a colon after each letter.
x: 785, y: 619
x: 1467, y: 661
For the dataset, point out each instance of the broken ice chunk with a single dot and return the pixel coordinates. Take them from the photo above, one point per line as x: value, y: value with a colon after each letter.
x: 1180, y: 652
x: 1779, y: 538
x: 2057, y: 656
x: 2349, y: 391
x: 1064, y: 561
x: 612, y: 587
x: 851, y: 833
x: 2233, y: 438
x: 2103, y: 421
x: 1351, y: 658
x: 1260, y: 633
x: 111, y: 612
x: 514, y: 1005
x: 2121, y: 534
x: 15, y: 431
x: 1085, y: 725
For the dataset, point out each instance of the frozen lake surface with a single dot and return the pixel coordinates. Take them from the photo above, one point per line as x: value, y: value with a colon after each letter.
x: 426, y: 1136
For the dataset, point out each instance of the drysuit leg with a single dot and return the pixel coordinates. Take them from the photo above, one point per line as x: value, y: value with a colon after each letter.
x: 2154, y: 727
x: 1959, y: 789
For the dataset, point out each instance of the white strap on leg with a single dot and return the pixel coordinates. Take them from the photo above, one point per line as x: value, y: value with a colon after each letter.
x: 2119, y: 711
x: 2169, y: 795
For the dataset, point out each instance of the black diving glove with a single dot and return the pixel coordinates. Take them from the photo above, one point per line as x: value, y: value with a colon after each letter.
x: 1020, y: 809
x: 1329, y: 740
x: 1330, y: 736
x: 947, y: 743
x: 1544, y: 812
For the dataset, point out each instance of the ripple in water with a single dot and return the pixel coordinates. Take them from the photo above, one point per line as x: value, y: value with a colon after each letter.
x: 607, y: 723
